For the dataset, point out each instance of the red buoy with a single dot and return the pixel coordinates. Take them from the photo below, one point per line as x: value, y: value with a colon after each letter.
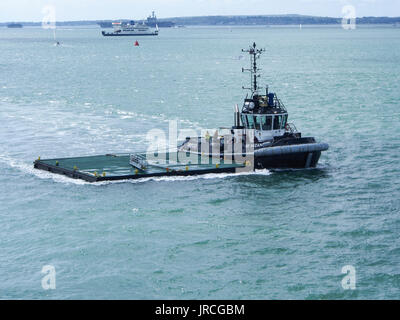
x: 136, y: 43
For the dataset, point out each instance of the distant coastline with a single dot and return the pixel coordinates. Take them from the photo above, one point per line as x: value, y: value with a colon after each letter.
x: 291, y: 19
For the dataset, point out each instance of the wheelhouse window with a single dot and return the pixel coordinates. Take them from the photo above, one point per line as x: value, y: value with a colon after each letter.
x: 277, y: 122
x: 250, y: 121
x: 266, y: 123
x: 284, y: 120
x: 257, y: 122
x: 244, y: 121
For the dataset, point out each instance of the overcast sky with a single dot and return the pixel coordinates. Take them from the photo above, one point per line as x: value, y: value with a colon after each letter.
x: 31, y: 10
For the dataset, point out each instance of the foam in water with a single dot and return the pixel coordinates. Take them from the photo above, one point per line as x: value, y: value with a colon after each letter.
x: 207, y: 176
x: 29, y: 169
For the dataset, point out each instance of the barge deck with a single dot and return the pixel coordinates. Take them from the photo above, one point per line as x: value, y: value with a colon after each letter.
x: 111, y: 167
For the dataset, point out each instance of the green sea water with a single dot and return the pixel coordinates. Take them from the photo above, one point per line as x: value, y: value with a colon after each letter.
x: 268, y: 235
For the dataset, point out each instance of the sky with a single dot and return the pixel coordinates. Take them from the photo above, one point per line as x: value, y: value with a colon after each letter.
x: 66, y: 10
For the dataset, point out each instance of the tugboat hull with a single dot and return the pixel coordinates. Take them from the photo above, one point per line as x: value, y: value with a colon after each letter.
x: 288, y: 161
x: 289, y: 156
x: 295, y: 155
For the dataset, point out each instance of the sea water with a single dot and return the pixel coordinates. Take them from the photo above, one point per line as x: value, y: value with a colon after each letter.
x: 266, y: 235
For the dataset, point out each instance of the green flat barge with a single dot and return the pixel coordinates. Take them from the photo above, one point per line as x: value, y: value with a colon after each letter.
x: 111, y: 167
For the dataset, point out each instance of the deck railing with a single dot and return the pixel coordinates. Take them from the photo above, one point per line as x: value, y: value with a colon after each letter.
x: 291, y: 128
x: 279, y: 104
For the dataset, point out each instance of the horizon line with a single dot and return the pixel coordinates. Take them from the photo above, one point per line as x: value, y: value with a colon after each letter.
x: 180, y: 17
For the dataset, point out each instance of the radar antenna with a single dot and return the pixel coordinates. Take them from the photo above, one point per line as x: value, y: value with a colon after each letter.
x: 254, y: 55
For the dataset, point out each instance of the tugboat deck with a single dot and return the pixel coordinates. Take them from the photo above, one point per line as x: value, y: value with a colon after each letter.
x: 117, y: 167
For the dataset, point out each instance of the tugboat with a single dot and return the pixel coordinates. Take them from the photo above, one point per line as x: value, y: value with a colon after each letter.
x: 261, y: 138
x: 131, y: 29
x: 263, y: 123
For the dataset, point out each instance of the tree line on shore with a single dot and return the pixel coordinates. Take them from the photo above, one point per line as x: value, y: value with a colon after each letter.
x: 241, y: 20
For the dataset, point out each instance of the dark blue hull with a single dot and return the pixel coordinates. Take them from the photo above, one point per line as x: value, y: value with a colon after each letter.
x: 288, y: 161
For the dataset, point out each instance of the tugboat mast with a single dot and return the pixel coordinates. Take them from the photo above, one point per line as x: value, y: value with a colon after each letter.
x: 254, y: 55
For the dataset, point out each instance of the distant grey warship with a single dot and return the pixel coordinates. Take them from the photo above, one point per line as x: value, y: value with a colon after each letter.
x: 151, y: 22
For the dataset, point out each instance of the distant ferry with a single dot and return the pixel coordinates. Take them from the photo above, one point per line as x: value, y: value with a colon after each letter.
x: 14, y: 25
x: 131, y: 29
